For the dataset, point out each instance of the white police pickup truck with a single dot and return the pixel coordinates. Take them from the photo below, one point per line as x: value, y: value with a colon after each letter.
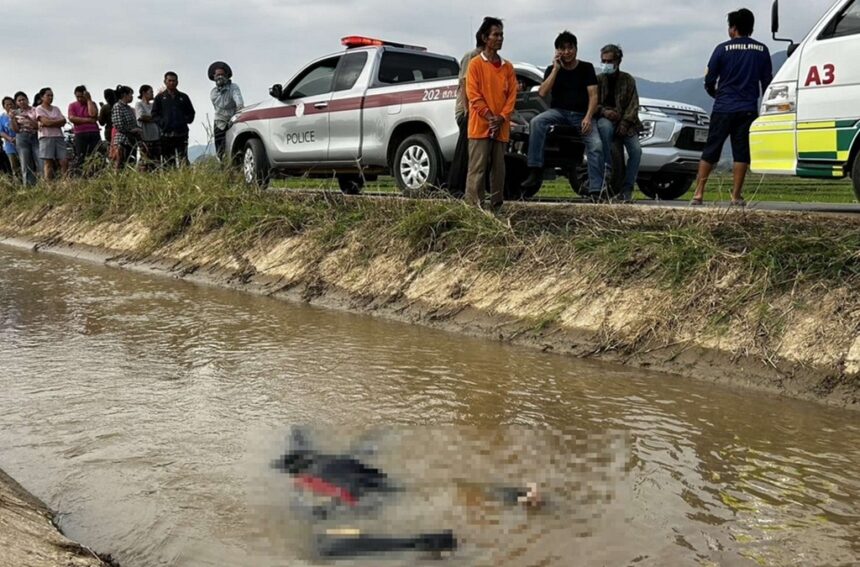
x: 380, y: 107
x: 377, y: 107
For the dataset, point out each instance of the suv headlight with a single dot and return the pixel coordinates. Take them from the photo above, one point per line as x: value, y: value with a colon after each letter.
x: 779, y: 99
x: 649, y: 127
x: 652, y: 110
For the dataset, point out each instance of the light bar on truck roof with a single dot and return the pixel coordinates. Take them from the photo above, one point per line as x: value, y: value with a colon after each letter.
x: 352, y: 41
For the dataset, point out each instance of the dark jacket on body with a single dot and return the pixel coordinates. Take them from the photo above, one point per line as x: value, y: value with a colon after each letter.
x: 626, y: 100
x: 173, y: 114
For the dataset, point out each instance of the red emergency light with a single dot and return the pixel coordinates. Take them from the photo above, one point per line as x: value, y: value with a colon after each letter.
x: 352, y: 41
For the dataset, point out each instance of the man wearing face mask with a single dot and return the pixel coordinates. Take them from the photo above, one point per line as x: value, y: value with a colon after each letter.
x: 618, y: 113
x: 227, y: 100
x: 573, y: 86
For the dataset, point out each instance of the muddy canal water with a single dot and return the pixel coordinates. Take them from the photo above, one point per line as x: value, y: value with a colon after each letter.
x: 148, y: 412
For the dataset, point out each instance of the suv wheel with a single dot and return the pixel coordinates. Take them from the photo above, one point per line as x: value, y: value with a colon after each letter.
x: 516, y: 173
x: 855, y: 176
x: 579, y: 177
x: 255, y: 164
x: 417, y: 165
x: 666, y: 186
x: 350, y: 183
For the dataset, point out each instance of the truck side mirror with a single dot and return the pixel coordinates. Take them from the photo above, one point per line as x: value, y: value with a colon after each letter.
x: 774, y: 17
x: 277, y: 91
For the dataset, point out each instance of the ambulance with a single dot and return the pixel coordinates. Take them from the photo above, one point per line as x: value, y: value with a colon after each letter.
x: 809, y: 124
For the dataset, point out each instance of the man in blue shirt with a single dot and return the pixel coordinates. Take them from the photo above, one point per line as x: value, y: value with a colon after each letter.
x: 738, y: 73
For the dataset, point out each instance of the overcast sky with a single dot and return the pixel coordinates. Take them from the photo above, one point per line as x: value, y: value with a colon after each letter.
x: 102, y: 43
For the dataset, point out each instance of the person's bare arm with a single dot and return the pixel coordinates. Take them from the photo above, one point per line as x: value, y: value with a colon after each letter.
x: 592, y: 108
x: 51, y: 123
x: 549, y: 82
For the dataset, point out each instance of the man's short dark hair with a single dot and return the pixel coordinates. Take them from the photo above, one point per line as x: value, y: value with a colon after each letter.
x: 20, y: 94
x: 5, y: 98
x: 742, y: 20
x: 171, y: 74
x: 110, y: 96
x: 565, y: 38
x: 80, y: 89
x: 485, y: 29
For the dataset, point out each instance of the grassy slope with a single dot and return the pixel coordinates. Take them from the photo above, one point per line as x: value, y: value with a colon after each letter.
x: 758, y: 188
x: 773, y: 252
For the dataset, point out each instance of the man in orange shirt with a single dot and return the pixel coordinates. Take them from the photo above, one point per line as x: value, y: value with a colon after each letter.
x: 491, y: 86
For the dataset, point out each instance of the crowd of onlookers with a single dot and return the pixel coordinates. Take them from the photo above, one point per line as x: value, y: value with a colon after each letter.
x: 153, y: 129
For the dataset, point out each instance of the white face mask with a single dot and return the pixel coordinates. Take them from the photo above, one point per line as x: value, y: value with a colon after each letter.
x: 607, y: 68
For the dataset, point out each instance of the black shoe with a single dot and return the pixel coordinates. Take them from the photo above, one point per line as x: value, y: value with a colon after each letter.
x: 535, y: 178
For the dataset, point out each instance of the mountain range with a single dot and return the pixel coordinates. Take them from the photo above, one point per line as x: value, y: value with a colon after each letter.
x: 690, y: 91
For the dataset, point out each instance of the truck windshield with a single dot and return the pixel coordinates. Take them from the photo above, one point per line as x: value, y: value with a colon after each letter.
x: 399, y: 67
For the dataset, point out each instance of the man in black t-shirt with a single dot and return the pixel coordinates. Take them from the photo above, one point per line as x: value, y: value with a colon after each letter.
x: 573, y: 86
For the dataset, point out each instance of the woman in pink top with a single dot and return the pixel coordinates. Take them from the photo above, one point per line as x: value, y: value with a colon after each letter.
x: 52, y: 145
x: 83, y: 113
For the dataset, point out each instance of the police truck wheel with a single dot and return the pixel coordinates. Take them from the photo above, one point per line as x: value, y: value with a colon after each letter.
x: 255, y: 164
x: 350, y: 184
x: 417, y: 165
x: 666, y: 187
x: 855, y: 176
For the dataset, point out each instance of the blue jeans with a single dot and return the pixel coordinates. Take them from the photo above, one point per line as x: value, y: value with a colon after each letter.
x: 28, y: 152
x: 634, y: 153
x: 593, y: 146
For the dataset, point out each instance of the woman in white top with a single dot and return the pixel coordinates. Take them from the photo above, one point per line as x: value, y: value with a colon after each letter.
x: 150, y: 147
x: 52, y: 145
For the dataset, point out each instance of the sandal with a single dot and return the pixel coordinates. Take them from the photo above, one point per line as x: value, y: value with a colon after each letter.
x: 696, y: 202
x: 738, y: 203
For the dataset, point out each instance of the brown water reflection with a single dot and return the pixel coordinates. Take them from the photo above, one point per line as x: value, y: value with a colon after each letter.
x: 148, y: 412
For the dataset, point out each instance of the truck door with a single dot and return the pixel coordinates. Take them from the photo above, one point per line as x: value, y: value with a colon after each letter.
x: 828, y: 98
x: 301, y: 134
x: 350, y: 85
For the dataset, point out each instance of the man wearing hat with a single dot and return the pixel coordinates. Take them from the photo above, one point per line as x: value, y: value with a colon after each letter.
x: 227, y: 100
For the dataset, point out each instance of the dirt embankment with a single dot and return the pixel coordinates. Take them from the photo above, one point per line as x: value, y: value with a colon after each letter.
x: 29, y: 537
x: 763, y: 300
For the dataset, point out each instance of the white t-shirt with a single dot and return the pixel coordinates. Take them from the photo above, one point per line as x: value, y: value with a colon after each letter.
x: 150, y: 129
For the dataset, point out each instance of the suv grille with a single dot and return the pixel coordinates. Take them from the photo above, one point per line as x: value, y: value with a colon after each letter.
x: 687, y: 116
x: 687, y: 141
